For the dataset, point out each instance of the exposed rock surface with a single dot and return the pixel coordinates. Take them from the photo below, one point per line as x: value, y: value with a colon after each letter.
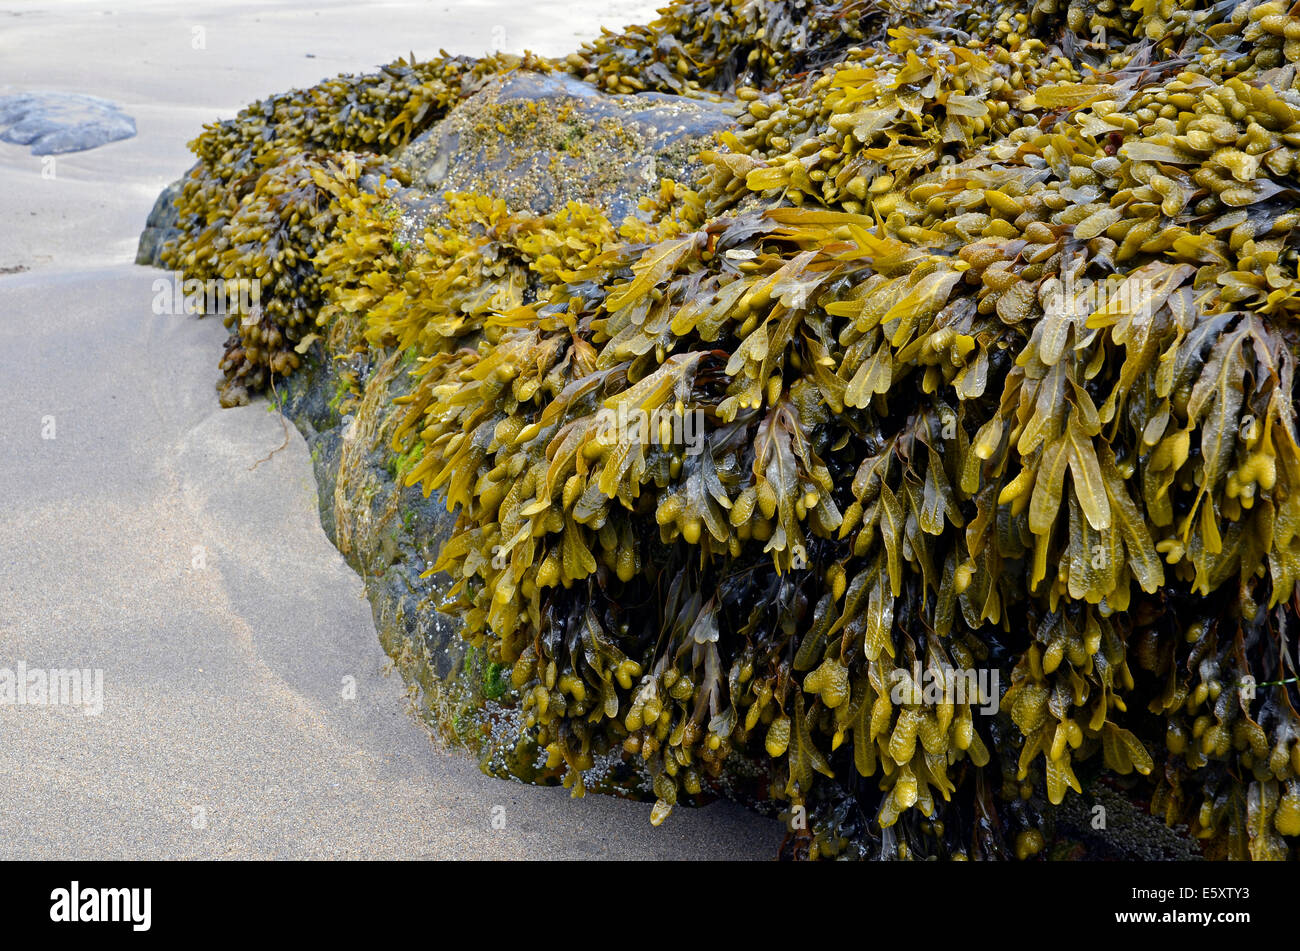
x: 161, y: 226
x: 541, y: 140
x: 56, y: 122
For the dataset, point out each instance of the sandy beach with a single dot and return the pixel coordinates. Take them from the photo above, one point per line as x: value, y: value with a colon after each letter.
x: 140, y: 537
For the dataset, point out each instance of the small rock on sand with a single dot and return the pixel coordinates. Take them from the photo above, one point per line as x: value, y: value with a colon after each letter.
x: 56, y: 122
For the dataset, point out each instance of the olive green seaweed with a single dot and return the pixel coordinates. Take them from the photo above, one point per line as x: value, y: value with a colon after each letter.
x: 987, y: 313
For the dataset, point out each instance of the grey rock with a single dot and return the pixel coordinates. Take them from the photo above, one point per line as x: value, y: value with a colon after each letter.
x: 161, y: 226
x: 541, y: 140
x: 1103, y: 824
x: 56, y: 122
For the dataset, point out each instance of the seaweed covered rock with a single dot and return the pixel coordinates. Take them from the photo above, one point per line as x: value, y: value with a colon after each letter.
x: 546, y: 139
x: 924, y: 448
x: 259, y: 203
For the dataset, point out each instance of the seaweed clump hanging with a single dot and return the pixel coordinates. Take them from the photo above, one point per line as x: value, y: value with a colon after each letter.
x: 935, y: 450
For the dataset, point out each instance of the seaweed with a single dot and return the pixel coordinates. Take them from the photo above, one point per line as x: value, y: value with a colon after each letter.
x: 968, y: 362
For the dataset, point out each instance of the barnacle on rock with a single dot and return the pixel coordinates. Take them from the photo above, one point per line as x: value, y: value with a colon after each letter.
x: 934, y: 450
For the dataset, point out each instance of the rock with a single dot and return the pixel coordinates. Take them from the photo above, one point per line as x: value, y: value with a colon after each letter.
x: 159, y: 227
x: 541, y: 140
x: 57, y: 122
x: 389, y: 533
x: 1103, y: 824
